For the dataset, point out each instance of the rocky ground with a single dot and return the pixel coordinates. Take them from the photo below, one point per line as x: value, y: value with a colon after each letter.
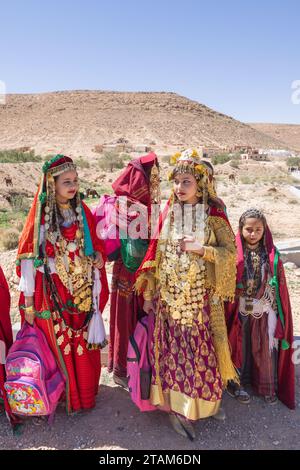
x: 116, y: 423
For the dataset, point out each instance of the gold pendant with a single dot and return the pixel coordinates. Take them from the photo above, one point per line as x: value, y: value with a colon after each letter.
x: 248, y: 305
x: 78, y: 270
x: 72, y: 247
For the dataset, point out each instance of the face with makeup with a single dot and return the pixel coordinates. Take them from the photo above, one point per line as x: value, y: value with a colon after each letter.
x: 185, y: 188
x: 253, y: 231
x: 66, y: 186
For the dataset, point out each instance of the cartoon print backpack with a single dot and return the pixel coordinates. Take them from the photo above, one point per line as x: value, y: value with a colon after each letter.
x: 34, y: 384
x: 139, y: 367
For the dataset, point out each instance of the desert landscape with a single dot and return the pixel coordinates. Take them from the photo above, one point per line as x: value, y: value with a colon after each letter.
x: 87, y: 125
x: 93, y: 127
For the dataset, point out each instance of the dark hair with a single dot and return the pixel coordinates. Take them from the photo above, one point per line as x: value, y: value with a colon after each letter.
x: 73, y: 203
x: 208, y: 164
x: 252, y: 213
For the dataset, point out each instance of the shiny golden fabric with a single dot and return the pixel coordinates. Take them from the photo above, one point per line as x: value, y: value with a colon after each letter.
x: 220, y: 257
x: 220, y: 278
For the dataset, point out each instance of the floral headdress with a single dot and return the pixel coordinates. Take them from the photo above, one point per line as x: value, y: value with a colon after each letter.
x: 189, y: 161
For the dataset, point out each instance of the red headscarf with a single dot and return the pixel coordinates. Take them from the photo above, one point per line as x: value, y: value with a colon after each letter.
x: 135, y: 179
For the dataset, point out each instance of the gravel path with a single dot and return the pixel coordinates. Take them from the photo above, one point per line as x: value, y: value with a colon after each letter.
x: 116, y: 423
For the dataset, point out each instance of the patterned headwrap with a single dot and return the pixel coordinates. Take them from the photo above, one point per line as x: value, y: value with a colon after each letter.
x: 189, y: 161
x: 44, y: 201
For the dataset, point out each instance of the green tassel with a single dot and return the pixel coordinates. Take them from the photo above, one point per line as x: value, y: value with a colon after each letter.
x: 46, y: 314
x: 285, y: 345
x: 45, y: 167
x: 18, y: 262
x: 38, y: 262
x: 43, y: 197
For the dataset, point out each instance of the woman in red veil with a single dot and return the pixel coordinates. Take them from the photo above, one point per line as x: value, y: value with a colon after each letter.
x: 139, y: 184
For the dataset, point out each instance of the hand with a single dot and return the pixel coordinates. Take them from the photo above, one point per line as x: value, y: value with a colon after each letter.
x: 98, y: 261
x: 148, y: 306
x: 30, y: 314
x: 191, y: 244
x: 29, y: 317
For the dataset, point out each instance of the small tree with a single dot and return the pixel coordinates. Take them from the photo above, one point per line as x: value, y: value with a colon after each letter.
x: 110, y: 161
x: 221, y: 159
x: 18, y: 156
x: 293, y: 161
x: 10, y: 239
x: 82, y: 163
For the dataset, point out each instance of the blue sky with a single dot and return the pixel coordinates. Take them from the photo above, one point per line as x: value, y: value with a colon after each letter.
x: 238, y: 57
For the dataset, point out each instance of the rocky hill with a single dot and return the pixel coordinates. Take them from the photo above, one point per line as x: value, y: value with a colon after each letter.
x: 73, y: 122
x: 286, y: 133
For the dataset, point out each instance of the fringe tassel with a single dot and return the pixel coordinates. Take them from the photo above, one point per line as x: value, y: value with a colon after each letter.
x: 226, y: 367
x: 96, y: 332
x: 220, y: 342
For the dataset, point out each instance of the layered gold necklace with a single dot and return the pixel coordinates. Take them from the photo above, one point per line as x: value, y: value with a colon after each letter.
x: 182, y: 281
x: 75, y: 272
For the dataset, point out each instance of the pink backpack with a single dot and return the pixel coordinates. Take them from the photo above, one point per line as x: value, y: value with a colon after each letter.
x: 139, y: 367
x: 106, y: 229
x: 34, y: 384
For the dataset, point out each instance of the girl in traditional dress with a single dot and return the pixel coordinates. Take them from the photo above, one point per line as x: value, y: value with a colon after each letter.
x: 63, y: 281
x: 139, y: 184
x: 260, y: 321
x: 187, y: 274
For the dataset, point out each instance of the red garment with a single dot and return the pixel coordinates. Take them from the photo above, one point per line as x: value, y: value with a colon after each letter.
x: 125, y: 305
x: 6, y: 337
x: 125, y: 309
x: 98, y: 245
x: 81, y: 367
x: 286, y: 368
